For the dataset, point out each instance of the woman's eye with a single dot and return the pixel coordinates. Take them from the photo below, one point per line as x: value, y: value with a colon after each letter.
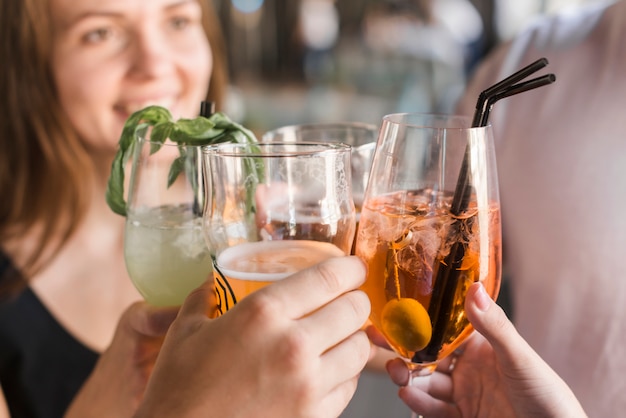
x: 98, y: 35
x: 180, y: 22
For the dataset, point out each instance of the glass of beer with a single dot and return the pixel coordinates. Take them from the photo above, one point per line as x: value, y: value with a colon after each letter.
x: 164, y: 248
x: 274, y: 209
x: 429, y: 228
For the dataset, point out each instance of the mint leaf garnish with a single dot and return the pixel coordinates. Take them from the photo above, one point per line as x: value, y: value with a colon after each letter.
x: 199, y: 131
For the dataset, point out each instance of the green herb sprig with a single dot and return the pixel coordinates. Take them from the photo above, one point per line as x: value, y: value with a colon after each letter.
x: 199, y: 131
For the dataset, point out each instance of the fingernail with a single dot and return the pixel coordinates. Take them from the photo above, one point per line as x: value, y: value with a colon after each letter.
x: 483, y: 301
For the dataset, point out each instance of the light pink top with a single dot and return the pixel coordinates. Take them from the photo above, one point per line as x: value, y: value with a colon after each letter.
x: 561, y: 154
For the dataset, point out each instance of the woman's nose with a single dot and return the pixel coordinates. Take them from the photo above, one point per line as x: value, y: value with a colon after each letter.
x: 150, y: 56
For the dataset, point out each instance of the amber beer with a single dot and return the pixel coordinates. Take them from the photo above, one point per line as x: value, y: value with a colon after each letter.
x: 404, y: 238
x: 247, y: 267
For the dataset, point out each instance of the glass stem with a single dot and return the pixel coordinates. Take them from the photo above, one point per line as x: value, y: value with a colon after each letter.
x: 420, y: 378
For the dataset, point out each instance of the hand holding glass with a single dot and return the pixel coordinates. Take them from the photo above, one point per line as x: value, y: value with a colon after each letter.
x: 274, y: 209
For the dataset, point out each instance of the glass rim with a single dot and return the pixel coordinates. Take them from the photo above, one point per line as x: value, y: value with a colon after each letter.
x: 251, y: 149
x: 324, y: 126
x: 427, y: 121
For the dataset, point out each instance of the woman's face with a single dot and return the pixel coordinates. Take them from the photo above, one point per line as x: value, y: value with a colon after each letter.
x: 113, y: 57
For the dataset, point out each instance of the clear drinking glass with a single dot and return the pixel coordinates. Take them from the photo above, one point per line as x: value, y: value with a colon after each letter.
x: 360, y: 136
x: 274, y: 209
x: 429, y: 228
x: 164, y: 248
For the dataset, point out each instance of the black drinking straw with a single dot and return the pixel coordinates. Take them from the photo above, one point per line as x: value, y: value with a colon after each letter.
x: 207, y: 108
x: 512, y: 90
x: 446, y: 281
x: 503, y: 85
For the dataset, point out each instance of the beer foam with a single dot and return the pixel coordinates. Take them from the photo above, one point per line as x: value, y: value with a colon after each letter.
x: 273, y: 260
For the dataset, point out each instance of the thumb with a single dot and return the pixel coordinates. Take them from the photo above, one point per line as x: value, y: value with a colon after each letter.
x: 528, y: 375
x: 148, y: 320
x: 201, y: 301
x: 490, y: 320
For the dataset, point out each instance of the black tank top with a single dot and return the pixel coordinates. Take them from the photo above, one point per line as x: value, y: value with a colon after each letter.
x: 41, y: 365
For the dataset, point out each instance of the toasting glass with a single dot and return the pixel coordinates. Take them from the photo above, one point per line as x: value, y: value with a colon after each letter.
x: 164, y: 248
x: 274, y: 209
x: 429, y: 228
x: 360, y: 136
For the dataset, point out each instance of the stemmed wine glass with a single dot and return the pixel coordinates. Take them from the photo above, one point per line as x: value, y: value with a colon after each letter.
x: 430, y: 227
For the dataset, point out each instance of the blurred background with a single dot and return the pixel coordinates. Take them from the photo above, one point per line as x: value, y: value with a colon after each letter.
x: 297, y: 61
x: 302, y: 61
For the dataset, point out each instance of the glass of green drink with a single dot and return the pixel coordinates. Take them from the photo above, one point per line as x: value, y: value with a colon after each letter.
x: 164, y: 247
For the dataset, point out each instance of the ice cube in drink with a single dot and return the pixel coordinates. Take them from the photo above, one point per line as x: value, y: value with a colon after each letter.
x: 404, y: 238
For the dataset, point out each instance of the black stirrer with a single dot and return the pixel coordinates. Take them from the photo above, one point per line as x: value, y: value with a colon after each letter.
x: 446, y: 281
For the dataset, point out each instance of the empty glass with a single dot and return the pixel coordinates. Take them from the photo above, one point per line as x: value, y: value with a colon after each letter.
x: 360, y: 136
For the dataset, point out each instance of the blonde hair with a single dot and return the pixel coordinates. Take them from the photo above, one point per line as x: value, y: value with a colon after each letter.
x: 43, y: 164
